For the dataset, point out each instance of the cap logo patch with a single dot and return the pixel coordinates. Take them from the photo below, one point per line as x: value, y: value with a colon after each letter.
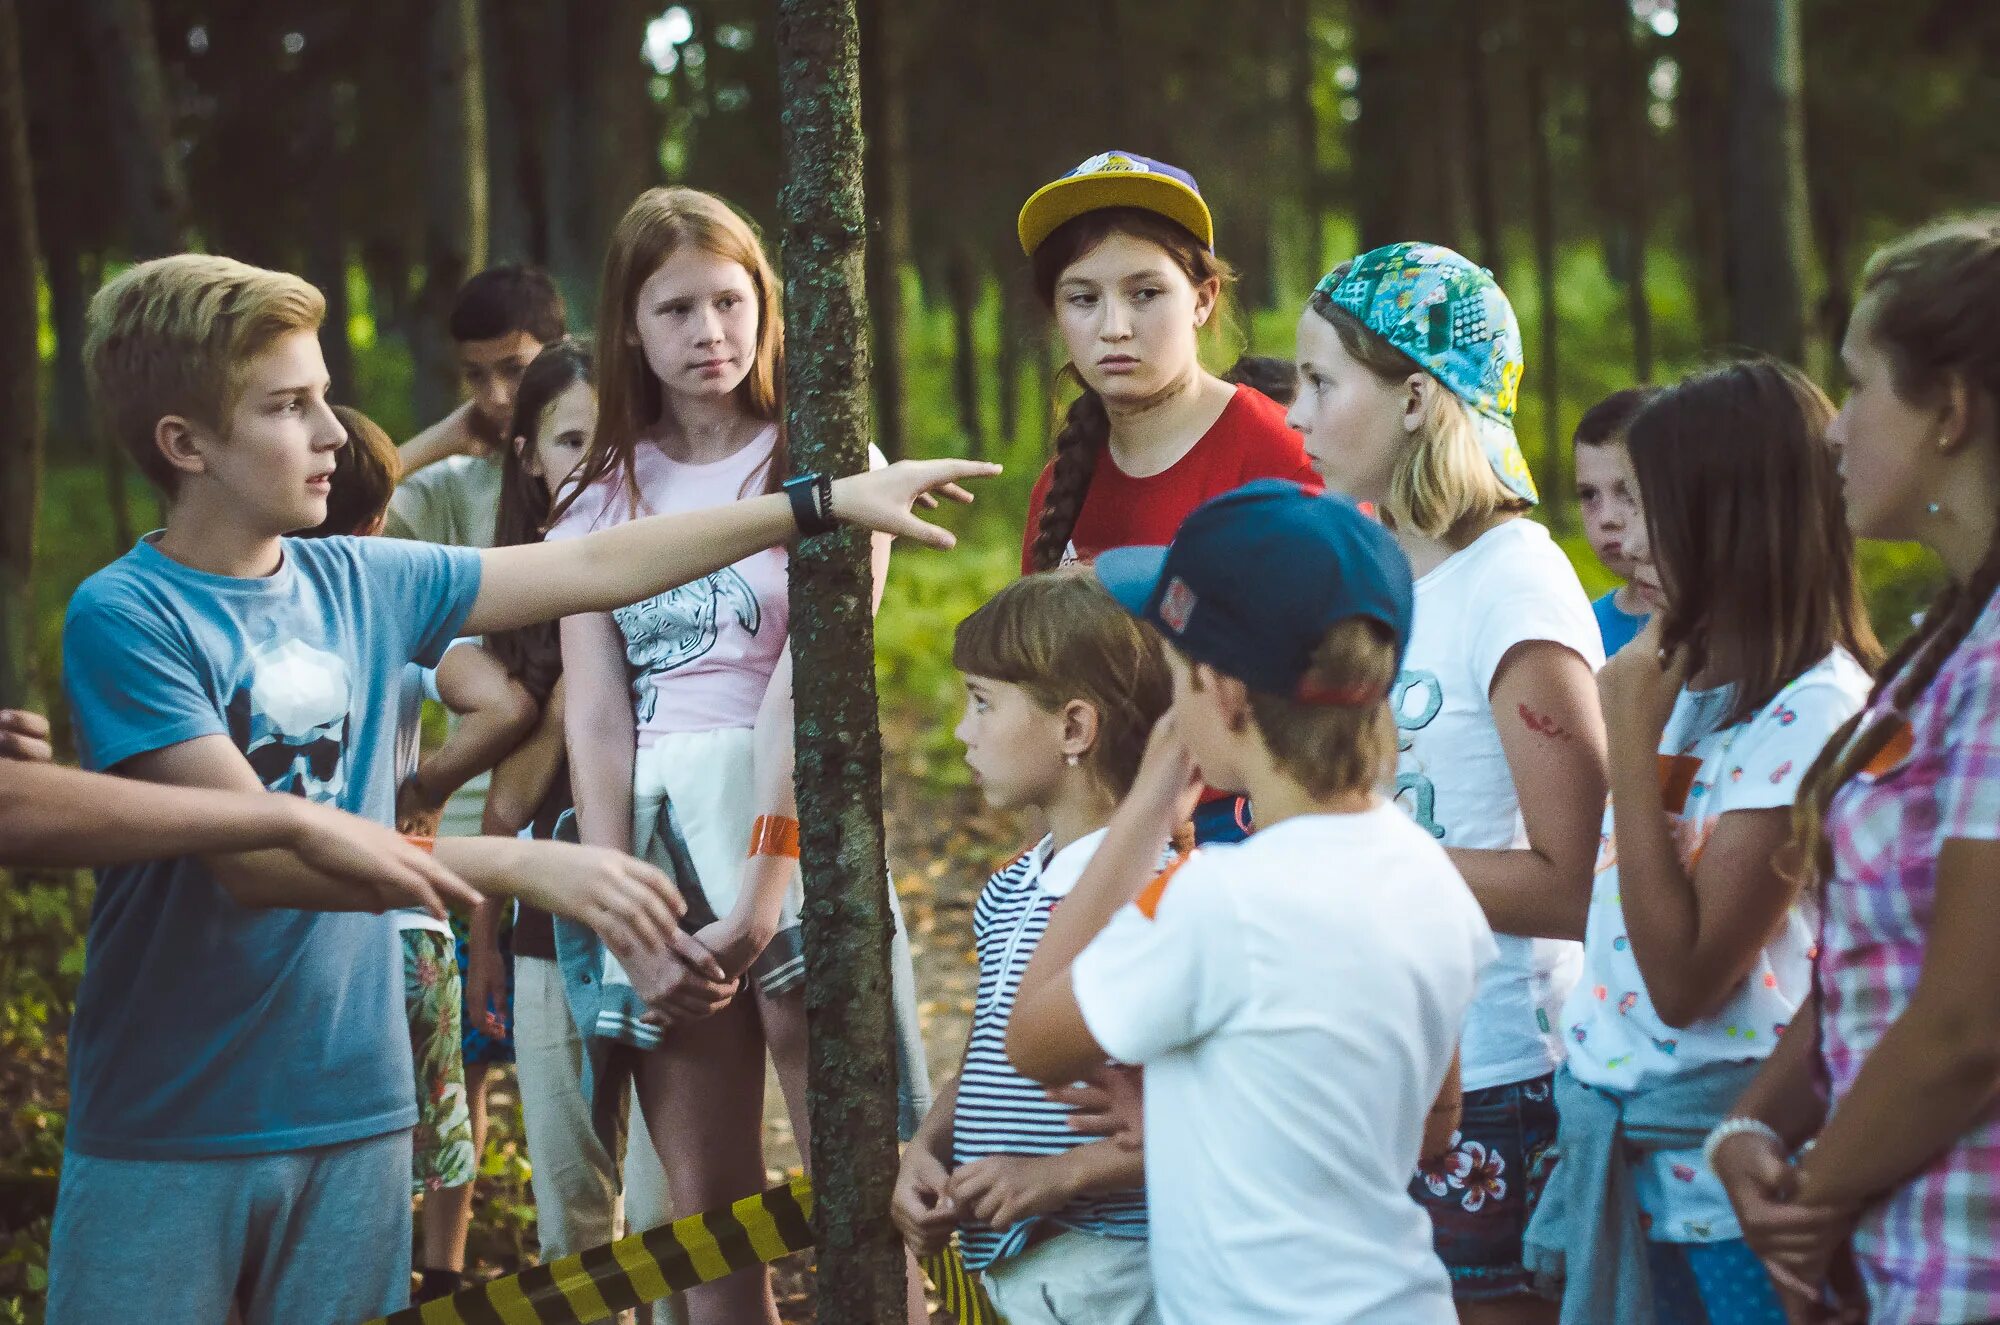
x: 1177, y: 604
x: 1105, y: 162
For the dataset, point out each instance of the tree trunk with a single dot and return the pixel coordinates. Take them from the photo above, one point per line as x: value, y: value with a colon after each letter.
x: 1767, y: 252
x: 135, y: 88
x: 1009, y: 338
x: 1475, y: 38
x: 455, y: 196
x: 70, y: 284
x: 885, y: 114
x: 1699, y: 105
x: 20, y: 415
x: 1619, y: 139
x: 851, y: 1075
x: 1386, y: 193
x: 326, y: 236
x: 1542, y: 211
x: 962, y: 286
x: 1305, y: 131
x: 510, y: 213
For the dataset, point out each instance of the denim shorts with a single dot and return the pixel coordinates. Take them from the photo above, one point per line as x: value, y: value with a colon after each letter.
x: 1481, y: 1191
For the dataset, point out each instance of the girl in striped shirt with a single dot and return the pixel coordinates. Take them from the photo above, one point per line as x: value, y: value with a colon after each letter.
x: 1062, y: 687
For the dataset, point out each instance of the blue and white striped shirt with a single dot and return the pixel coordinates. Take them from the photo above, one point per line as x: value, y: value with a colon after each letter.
x: 999, y: 1111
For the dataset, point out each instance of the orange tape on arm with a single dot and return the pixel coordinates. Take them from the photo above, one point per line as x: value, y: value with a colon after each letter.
x: 427, y: 845
x: 774, y: 835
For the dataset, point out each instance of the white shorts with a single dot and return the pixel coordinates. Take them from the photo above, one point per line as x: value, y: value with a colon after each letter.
x: 709, y: 779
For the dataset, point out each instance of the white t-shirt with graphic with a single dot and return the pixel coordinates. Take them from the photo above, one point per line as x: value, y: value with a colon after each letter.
x: 1617, y: 1040
x: 1295, y: 999
x: 1513, y: 585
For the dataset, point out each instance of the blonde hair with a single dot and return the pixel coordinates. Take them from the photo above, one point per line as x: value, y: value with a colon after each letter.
x: 1332, y: 749
x: 630, y: 399
x: 1443, y: 486
x: 170, y: 336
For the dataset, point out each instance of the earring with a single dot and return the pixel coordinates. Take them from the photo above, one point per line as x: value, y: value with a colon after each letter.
x: 1071, y: 760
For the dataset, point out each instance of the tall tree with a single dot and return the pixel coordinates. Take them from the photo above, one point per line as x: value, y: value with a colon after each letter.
x: 1542, y: 219
x: 1618, y: 136
x: 20, y: 415
x: 1768, y: 250
x: 850, y: 1084
x: 454, y: 244
x: 885, y: 116
x: 155, y: 190
x: 962, y: 281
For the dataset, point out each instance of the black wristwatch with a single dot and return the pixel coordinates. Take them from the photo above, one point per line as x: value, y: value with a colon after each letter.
x: 812, y: 503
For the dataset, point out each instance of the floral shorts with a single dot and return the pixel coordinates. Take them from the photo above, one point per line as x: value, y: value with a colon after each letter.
x: 1480, y: 1192
x: 442, y: 1142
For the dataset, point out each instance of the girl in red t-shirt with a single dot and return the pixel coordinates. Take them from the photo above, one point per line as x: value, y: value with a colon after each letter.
x: 1123, y: 254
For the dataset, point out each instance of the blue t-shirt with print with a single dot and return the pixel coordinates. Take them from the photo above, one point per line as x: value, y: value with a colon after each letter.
x: 1615, y: 624
x: 202, y: 1027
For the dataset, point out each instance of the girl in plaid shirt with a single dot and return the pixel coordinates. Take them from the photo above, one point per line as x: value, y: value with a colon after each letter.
x: 1891, y: 1070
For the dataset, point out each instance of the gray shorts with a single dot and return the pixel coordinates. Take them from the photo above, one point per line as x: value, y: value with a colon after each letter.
x: 302, y: 1237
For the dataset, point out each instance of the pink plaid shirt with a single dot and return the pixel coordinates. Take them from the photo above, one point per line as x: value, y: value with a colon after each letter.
x: 1930, y: 1252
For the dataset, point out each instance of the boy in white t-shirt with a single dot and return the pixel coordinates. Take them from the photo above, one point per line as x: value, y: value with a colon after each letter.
x: 1296, y: 999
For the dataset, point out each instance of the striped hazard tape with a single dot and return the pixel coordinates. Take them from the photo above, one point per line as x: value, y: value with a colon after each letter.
x: 645, y: 1267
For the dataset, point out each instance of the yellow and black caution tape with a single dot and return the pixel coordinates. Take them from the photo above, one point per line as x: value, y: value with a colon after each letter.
x: 645, y: 1267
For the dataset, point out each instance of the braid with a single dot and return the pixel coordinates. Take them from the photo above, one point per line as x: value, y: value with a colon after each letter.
x: 1079, y: 443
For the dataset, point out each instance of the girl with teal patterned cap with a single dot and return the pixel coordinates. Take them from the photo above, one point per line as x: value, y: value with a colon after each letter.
x: 1410, y: 365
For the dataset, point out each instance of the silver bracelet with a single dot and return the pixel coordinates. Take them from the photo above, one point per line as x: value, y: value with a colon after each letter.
x: 1729, y: 1127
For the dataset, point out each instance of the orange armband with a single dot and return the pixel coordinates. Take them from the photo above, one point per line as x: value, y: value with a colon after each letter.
x: 774, y: 835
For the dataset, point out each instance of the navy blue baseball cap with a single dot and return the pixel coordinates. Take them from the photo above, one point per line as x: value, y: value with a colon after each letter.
x: 1256, y: 577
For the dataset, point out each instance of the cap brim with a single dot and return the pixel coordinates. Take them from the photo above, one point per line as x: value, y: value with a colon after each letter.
x: 1068, y: 198
x: 1130, y: 575
x: 1503, y: 451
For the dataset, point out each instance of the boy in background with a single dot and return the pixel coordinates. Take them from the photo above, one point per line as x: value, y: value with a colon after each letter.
x: 1607, y: 493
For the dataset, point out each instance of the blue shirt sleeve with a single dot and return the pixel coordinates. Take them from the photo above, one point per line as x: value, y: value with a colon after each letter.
x: 135, y: 682
x: 426, y: 589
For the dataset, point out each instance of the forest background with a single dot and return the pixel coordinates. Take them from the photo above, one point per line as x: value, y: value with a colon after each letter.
x: 1655, y: 183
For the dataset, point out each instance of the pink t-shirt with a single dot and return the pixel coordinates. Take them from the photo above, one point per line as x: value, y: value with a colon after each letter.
x: 702, y: 654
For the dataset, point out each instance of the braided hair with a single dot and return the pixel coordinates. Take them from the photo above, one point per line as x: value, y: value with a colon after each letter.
x: 1934, y: 300
x: 1086, y: 427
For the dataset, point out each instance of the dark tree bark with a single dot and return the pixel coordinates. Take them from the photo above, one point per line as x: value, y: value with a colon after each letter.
x: 1700, y: 106
x: 599, y: 136
x: 1618, y: 136
x: 155, y: 189
x: 1393, y: 199
x: 20, y: 414
x: 962, y: 289
x: 851, y: 1051
x: 454, y: 245
x: 1009, y: 341
x: 510, y: 208
x: 71, y: 277
x: 1478, y: 42
x: 885, y: 115
x: 1305, y: 128
x: 1542, y: 219
x: 326, y: 230
x: 1767, y: 254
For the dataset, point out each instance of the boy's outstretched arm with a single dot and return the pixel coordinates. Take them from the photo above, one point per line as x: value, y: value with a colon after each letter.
x: 1047, y: 1039
x: 632, y: 905
x: 57, y: 817
x: 631, y: 562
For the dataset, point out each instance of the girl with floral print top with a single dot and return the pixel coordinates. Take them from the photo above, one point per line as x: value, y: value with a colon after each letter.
x: 1697, y: 951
